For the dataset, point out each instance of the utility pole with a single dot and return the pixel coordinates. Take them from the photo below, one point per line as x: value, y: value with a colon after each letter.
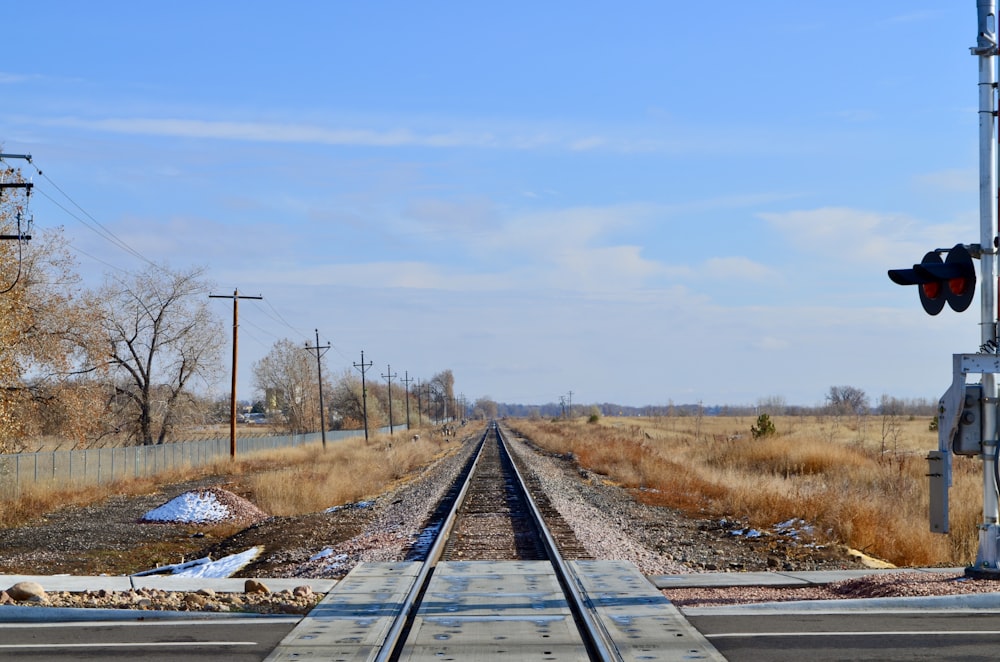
x: 406, y: 380
x: 27, y: 186
x: 363, y: 367
x: 388, y: 377
x: 236, y: 327
x: 420, y: 388
x: 571, y: 404
x: 319, y: 370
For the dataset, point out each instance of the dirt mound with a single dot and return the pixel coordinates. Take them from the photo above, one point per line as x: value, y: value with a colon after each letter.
x: 211, y: 505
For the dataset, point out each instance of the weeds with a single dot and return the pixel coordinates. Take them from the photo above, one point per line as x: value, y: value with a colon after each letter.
x: 830, y: 476
x: 292, y: 481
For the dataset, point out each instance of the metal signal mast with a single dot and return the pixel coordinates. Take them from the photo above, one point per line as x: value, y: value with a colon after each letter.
x: 967, y: 413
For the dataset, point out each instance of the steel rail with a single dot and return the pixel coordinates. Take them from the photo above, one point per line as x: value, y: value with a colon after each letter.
x: 599, y: 637
x: 433, y: 555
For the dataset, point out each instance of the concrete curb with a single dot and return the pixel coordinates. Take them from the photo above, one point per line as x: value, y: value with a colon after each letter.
x: 781, y: 579
x: 41, y: 614
x: 976, y: 602
x: 79, y: 584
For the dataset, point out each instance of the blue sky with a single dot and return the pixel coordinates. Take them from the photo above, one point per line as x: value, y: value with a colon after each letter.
x: 639, y: 202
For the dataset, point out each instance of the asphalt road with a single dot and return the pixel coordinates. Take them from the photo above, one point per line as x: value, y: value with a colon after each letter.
x: 875, y: 635
x: 149, y: 641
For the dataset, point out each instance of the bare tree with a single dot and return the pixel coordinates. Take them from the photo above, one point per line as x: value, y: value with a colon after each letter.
x: 848, y: 401
x: 288, y: 378
x: 159, y: 335
x: 485, y: 408
x: 347, y: 402
x: 891, y: 410
x: 775, y: 405
x: 442, y: 390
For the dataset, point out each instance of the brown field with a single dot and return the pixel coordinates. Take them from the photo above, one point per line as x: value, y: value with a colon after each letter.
x: 292, y: 481
x: 857, y: 482
x: 860, y: 482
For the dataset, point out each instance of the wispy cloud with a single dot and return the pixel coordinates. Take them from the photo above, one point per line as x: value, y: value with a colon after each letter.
x: 737, y: 268
x: 269, y: 132
x: 422, y: 132
x: 953, y: 181
x: 8, y: 78
x: 860, y: 236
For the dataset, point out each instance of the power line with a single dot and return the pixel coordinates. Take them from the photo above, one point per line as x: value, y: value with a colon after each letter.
x: 93, y: 224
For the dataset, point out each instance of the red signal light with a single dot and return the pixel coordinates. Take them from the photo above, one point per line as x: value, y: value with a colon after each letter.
x: 932, y: 274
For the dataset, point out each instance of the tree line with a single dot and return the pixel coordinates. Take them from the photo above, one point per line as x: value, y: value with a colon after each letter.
x: 838, y: 401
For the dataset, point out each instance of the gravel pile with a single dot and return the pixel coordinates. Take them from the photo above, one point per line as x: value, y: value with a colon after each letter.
x: 256, y: 600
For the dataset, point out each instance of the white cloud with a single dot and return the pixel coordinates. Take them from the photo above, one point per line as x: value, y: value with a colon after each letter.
x: 270, y: 132
x: 742, y: 268
x: 952, y: 181
x: 847, y: 234
x: 7, y: 78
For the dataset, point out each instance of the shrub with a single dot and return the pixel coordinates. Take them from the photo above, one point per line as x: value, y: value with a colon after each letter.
x: 763, y: 428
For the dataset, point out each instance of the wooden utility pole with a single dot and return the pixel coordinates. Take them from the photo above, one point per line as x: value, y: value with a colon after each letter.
x: 420, y: 418
x: 363, y: 367
x: 388, y: 377
x: 406, y: 380
x: 236, y: 327
x: 319, y: 370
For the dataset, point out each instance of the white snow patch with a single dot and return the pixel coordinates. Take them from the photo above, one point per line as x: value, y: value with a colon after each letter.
x: 194, y: 507
x: 206, y: 567
x: 793, y: 528
x: 359, y: 504
x: 746, y: 533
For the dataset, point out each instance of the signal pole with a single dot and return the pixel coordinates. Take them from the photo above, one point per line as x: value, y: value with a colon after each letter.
x: 986, y: 50
x: 406, y: 381
x: 363, y: 367
x: 967, y: 418
x: 236, y: 329
x: 319, y: 370
x: 388, y: 377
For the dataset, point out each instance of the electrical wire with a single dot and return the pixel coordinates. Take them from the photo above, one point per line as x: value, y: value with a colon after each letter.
x: 92, y: 224
x: 98, y: 228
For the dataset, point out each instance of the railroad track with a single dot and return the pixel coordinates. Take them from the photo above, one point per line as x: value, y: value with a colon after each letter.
x: 492, y: 584
x: 495, y: 517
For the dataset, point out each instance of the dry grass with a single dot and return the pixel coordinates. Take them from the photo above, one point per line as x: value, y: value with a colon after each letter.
x: 346, y: 472
x: 841, y: 476
x: 292, y: 481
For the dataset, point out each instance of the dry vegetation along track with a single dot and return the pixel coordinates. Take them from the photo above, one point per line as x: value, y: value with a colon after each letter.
x: 608, y: 522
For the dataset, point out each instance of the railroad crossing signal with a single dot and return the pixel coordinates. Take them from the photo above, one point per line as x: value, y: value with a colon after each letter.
x: 951, y: 281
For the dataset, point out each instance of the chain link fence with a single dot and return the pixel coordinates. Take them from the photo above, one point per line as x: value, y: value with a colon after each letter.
x: 103, y: 465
